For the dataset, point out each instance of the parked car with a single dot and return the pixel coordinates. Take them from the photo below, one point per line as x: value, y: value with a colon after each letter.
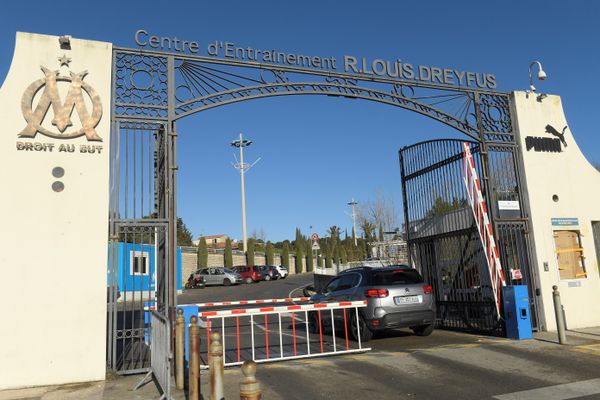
x: 396, y: 298
x: 249, y: 273
x: 269, y: 272
x: 219, y: 276
x: 282, y: 271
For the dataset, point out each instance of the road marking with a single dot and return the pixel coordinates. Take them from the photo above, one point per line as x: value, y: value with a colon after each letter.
x: 593, y: 349
x: 299, y: 287
x: 558, y: 392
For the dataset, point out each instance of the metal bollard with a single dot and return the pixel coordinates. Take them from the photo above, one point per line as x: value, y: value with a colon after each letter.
x: 215, y: 363
x: 179, y: 349
x: 558, y: 312
x: 249, y: 386
x: 194, y: 359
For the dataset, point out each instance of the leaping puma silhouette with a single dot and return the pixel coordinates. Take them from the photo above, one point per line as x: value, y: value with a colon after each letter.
x: 561, y: 135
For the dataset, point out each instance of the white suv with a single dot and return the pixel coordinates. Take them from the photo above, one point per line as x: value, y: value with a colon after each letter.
x: 283, y: 272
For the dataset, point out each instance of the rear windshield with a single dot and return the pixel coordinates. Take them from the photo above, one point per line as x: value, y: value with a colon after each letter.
x: 396, y: 277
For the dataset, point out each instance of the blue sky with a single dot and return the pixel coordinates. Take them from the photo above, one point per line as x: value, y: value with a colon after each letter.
x: 319, y: 152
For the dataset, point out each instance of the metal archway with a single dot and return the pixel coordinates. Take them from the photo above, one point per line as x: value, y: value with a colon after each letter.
x: 152, y: 90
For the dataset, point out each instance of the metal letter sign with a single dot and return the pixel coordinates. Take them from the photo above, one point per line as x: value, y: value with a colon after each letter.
x: 62, y: 112
x: 483, y: 224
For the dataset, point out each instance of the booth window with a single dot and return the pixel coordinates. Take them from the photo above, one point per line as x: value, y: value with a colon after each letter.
x: 569, y: 254
x: 139, y: 263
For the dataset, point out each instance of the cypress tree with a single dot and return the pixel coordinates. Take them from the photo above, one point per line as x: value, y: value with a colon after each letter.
x: 336, y: 255
x: 250, y: 252
x: 202, y: 254
x: 380, y: 233
x: 228, y: 256
x: 269, y: 254
x: 299, y: 257
x: 343, y: 256
x: 327, y: 255
x: 309, y: 259
x: 285, y: 255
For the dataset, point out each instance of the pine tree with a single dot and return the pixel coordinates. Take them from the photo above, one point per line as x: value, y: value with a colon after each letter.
x: 184, y: 236
x: 228, y: 256
x: 269, y: 254
x: 250, y: 252
x: 285, y: 255
x: 202, y: 254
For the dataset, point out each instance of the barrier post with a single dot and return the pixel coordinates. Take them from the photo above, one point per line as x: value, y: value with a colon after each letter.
x: 216, y: 367
x: 194, y: 359
x: 249, y: 386
x: 560, y: 321
x: 179, y: 349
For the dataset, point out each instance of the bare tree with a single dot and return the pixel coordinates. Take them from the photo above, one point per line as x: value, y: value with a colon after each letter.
x: 258, y: 235
x: 380, y: 211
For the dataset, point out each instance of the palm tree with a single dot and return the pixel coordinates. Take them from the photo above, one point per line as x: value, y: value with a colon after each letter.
x: 334, y: 232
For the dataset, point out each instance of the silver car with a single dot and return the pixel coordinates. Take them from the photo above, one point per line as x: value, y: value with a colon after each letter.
x: 219, y: 276
x: 396, y: 298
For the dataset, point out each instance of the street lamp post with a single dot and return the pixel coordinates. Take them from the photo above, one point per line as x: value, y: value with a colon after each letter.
x: 242, y: 167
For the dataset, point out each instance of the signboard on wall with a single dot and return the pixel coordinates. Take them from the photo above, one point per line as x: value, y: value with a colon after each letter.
x: 565, y: 221
x: 508, y: 205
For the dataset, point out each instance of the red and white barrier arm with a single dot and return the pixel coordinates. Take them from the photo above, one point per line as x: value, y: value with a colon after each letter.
x: 484, y: 228
x: 283, y: 309
x: 241, y: 302
x: 247, y: 302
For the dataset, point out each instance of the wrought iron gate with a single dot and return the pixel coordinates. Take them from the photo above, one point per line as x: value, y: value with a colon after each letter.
x: 142, y: 236
x: 152, y: 89
x: 441, y: 235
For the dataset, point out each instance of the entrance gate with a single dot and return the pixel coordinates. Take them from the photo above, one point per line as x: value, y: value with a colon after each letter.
x: 153, y: 89
x: 442, y: 237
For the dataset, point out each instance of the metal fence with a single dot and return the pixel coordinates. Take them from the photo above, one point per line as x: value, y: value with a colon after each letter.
x: 268, y: 334
x: 160, y: 354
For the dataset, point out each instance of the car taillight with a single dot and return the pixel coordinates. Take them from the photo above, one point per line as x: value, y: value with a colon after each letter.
x: 427, y: 289
x: 377, y: 293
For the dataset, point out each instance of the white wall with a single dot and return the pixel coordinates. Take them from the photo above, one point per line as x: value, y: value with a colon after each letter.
x: 577, y: 184
x: 53, y: 254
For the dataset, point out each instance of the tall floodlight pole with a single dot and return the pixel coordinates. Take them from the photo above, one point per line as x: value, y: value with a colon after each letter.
x: 353, y: 203
x: 243, y: 167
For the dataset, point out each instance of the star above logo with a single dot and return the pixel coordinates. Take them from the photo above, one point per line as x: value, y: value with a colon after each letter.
x: 64, y: 60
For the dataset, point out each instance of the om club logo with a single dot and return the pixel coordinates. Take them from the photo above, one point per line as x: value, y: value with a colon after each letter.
x: 62, y: 111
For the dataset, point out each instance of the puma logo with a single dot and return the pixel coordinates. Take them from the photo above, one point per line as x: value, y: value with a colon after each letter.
x: 561, y: 135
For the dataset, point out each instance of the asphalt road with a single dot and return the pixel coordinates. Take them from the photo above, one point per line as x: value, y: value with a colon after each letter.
x: 279, y: 288
x: 446, y: 365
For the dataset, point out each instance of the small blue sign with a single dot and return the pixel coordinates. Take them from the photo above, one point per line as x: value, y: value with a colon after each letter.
x: 565, y: 221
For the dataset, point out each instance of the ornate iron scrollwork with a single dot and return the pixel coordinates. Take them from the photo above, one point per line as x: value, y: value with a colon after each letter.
x: 141, y: 90
x: 495, y: 116
x: 140, y: 85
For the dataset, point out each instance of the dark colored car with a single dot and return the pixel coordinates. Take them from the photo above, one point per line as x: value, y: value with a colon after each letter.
x: 396, y: 297
x: 195, y: 281
x: 269, y: 272
x: 249, y: 273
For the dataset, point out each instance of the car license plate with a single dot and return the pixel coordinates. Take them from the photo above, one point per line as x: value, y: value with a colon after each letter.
x: 408, y: 299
